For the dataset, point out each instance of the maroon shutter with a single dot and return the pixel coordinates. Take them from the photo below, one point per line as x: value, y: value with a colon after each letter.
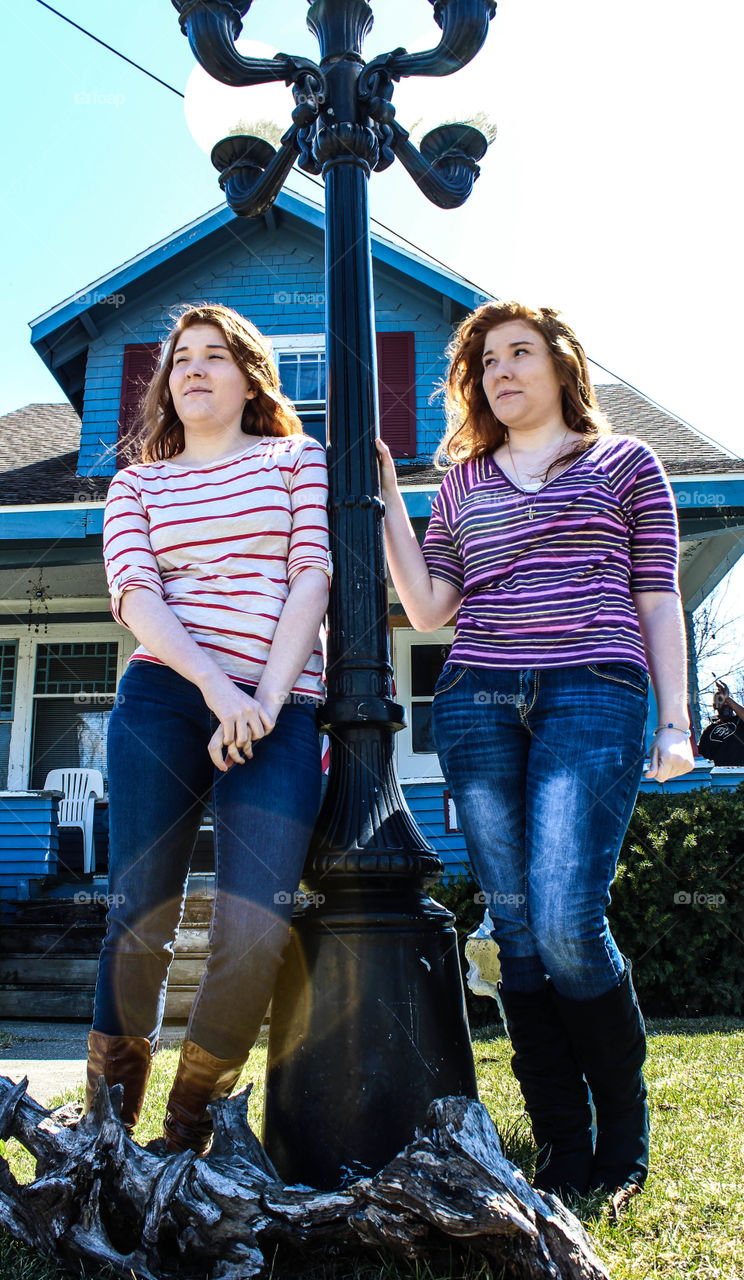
x: 396, y: 382
x: 140, y: 362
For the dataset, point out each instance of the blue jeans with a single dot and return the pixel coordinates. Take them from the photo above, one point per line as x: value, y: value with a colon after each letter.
x: 160, y: 778
x: 544, y: 767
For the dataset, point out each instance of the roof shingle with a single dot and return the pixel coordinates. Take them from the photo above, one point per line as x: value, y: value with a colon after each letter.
x: 38, y: 458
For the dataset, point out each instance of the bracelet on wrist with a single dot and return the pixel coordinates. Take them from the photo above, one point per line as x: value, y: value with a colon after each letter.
x: 678, y: 727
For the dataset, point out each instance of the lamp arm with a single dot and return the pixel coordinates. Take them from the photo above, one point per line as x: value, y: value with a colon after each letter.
x: 248, y: 196
x: 212, y: 28
x: 446, y: 192
x: 464, y: 26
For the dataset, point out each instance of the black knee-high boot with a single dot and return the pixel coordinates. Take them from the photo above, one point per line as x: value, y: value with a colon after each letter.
x: 554, y: 1090
x: 609, y: 1040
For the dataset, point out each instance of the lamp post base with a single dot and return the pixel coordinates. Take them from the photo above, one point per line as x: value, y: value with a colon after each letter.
x: 368, y: 1028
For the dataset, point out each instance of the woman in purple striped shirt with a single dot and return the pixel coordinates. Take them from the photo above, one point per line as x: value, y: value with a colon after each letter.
x: 216, y: 553
x: 554, y: 542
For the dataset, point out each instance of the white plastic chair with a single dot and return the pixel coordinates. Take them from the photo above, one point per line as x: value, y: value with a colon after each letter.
x: 80, y: 788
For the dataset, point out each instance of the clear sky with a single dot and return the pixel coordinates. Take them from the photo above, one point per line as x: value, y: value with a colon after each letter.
x: 613, y: 189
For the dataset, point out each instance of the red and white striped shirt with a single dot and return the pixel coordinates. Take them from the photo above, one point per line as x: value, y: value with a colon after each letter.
x: 222, y: 544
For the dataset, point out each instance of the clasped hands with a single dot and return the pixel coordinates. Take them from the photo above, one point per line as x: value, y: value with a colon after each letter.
x: 243, y: 720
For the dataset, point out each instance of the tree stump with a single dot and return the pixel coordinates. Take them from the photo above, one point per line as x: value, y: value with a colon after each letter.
x: 100, y: 1197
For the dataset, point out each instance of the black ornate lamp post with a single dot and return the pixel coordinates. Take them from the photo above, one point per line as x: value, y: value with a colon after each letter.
x: 368, y: 1022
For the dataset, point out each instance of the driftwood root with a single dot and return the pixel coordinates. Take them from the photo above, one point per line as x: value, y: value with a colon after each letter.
x: 100, y: 1197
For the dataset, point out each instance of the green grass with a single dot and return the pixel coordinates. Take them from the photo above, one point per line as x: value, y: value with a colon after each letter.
x: 688, y: 1224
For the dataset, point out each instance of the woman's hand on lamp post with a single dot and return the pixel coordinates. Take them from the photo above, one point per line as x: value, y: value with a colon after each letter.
x: 388, y: 479
x: 429, y: 602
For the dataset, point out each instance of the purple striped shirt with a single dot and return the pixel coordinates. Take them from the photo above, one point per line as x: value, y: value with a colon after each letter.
x: 555, y: 591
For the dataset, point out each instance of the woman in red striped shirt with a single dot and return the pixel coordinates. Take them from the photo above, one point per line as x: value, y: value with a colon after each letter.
x: 216, y: 553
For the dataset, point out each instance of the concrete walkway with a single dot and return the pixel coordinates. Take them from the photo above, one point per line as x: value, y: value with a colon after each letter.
x: 53, y: 1054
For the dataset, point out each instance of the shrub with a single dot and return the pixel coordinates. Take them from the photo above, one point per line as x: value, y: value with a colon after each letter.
x: 677, y: 909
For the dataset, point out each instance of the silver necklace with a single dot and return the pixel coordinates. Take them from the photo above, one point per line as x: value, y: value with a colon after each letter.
x: 531, y: 501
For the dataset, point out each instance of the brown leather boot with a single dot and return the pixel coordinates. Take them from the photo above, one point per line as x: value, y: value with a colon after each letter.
x: 125, y: 1060
x: 200, y: 1078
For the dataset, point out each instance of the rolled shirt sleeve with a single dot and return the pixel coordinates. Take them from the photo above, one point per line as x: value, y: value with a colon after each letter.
x: 127, y: 552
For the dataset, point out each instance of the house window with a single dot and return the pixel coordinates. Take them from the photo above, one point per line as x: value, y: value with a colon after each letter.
x: 418, y: 664
x: 74, y: 691
x: 427, y: 661
x: 8, y: 654
x: 300, y: 359
x: 302, y: 368
x: 303, y: 378
x: 303, y: 375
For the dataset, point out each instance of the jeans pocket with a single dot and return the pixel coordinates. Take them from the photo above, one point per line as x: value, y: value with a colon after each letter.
x: 623, y: 673
x: 451, y: 674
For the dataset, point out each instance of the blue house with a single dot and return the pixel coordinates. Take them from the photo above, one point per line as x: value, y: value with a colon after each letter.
x: 61, y: 653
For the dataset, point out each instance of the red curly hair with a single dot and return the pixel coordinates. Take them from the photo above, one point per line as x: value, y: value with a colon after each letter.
x: 473, y: 430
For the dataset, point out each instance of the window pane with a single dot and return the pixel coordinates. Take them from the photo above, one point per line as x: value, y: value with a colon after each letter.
x: 76, y: 668
x: 7, y: 678
x: 310, y: 380
x: 288, y: 370
x: 69, y: 734
x: 421, y: 732
x: 427, y: 661
x: 5, y: 727
x: 302, y: 375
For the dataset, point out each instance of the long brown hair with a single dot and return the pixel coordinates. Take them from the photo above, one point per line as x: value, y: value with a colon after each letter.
x: 268, y: 413
x: 473, y: 430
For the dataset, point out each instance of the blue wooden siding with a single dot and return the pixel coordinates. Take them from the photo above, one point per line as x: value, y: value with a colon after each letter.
x: 426, y: 805
x: 278, y: 282
x: 29, y: 840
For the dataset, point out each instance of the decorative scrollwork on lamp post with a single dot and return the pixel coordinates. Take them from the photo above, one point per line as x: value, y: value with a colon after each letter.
x: 368, y: 1019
